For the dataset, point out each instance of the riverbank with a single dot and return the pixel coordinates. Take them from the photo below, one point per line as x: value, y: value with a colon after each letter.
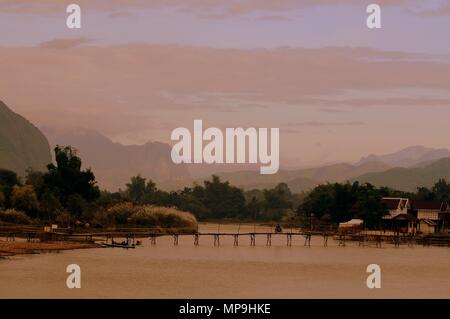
x: 11, y: 248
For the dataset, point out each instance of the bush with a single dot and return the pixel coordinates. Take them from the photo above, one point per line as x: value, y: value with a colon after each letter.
x: 162, y: 216
x: 118, y: 214
x: 14, y: 216
x: 144, y: 215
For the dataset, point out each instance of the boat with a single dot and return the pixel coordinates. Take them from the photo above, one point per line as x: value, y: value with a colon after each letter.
x: 117, y: 245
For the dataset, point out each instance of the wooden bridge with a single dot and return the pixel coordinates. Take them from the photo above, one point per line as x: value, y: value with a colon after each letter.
x: 131, y: 235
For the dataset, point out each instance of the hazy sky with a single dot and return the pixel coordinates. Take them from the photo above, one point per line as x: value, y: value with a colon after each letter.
x: 138, y: 69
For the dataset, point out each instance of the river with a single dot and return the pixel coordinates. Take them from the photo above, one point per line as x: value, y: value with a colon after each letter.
x: 205, y: 271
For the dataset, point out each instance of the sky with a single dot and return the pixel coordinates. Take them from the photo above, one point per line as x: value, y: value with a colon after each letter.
x: 137, y: 69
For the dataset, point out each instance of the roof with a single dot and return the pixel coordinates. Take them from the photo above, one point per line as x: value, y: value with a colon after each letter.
x: 393, y: 203
x: 408, y: 217
x: 353, y: 222
x: 428, y: 204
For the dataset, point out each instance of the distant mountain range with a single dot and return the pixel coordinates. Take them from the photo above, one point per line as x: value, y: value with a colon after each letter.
x: 298, y: 180
x: 408, y: 157
x: 114, y: 164
x: 408, y: 179
x: 22, y: 145
x: 404, y: 170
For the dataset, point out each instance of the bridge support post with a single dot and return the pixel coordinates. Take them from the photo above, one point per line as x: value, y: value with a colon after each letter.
x: 175, y: 240
x: 269, y: 240
x: 289, y: 240
x: 196, y: 241
x: 236, y: 240
x: 307, y: 240
x: 153, y: 240
x: 217, y: 240
x: 378, y: 241
x: 325, y: 240
x: 252, y: 240
x: 342, y: 240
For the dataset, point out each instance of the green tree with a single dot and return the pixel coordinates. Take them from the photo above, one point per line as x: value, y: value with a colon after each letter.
x: 345, y: 201
x: 2, y: 199
x: 8, y: 178
x: 441, y: 190
x: 277, y: 201
x: 136, y: 189
x: 222, y: 199
x: 68, y: 182
x: 25, y: 199
x: 49, y: 205
x: 370, y: 206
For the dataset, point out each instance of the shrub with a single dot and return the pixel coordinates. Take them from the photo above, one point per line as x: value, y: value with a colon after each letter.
x: 24, y: 198
x: 14, y: 216
x: 119, y: 214
x: 162, y: 216
x: 144, y: 215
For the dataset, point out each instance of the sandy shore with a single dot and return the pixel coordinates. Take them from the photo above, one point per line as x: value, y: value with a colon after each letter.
x: 11, y: 248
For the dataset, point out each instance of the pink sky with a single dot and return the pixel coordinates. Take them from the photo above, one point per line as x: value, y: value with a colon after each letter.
x: 139, y: 69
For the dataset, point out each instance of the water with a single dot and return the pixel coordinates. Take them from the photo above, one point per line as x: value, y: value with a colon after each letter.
x: 186, y: 271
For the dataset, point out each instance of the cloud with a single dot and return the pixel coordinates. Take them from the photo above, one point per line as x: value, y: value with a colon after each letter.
x: 131, y: 88
x: 318, y: 123
x: 211, y: 8
x: 273, y: 18
x: 437, y: 12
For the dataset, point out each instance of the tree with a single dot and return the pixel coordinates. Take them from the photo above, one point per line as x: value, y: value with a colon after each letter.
x: 136, y: 189
x: 222, y: 199
x: 68, y: 182
x: 24, y: 198
x: 192, y: 200
x: 345, y: 201
x: 441, y: 190
x: 7, y: 181
x: 370, y: 206
x: 277, y: 201
x: 49, y: 205
x: 2, y: 199
x: 8, y: 178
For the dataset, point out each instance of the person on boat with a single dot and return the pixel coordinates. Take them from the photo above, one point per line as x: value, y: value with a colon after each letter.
x: 278, y: 228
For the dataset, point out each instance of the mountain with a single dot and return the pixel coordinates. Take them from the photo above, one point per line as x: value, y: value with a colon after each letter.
x: 408, y: 157
x: 114, y: 164
x: 298, y: 180
x: 408, y: 179
x: 22, y: 145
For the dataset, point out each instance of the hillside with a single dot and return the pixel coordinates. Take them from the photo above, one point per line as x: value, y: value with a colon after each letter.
x: 22, y: 145
x: 114, y: 164
x: 408, y: 179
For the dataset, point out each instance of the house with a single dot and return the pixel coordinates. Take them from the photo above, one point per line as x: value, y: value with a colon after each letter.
x: 433, y: 216
x: 396, y: 206
x: 405, y: 223
x: 399, y: 218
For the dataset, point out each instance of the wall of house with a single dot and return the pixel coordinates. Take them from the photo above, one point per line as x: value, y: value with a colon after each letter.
x: 425, y: 228
x: 427, y: 214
